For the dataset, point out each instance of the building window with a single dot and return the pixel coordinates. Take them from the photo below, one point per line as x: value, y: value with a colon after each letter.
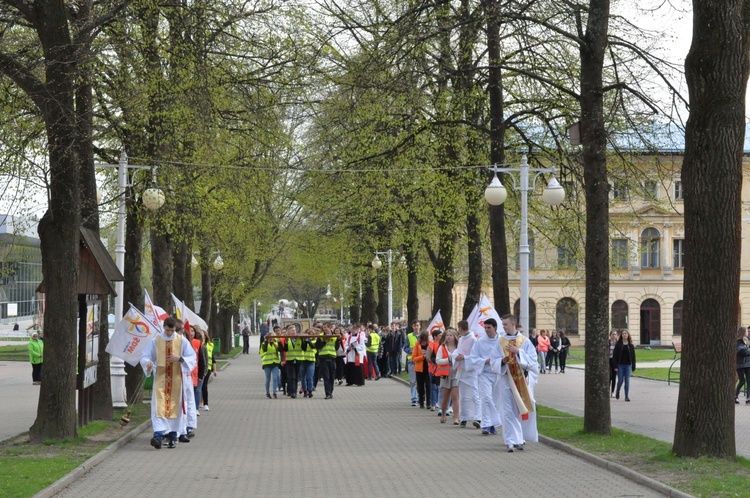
x: 650, y: 190
x: 620, y: 314
x: 531, y: 252
x: 566, y: 318
x: 619, y: 256
x: 678, y: 190
x: 620, y: 191
x: 650, y: 248
x: 677, y: 318
x: 566, y: 255
x: 679, y: 253
x: 532, y: 313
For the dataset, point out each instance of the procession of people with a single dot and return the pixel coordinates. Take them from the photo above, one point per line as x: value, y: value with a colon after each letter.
x: 478, y: 375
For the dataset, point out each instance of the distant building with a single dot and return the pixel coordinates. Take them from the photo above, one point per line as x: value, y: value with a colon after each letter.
x: 20, y: 268
x: 647, y: 248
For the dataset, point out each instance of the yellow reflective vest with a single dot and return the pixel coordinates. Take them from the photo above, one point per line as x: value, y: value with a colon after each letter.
x: 271, y: 354
x: 374, y: 343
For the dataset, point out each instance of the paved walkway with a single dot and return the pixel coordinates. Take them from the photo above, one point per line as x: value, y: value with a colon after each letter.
x: 20, y: 398
x: 367, y: 440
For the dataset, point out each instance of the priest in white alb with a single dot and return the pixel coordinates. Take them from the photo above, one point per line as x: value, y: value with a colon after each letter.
x: 518, y: 373
x: 173, y: 358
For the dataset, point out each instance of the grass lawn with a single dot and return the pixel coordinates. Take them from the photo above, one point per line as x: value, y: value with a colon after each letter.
x: 578, y: 355
x: 14, y: 353
x: 700, y: 477
x: 27, y: 468
x: 658, y: 373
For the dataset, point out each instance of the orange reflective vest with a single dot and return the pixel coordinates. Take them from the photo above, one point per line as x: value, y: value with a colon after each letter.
x: 442, y: 370
x: 433, y: 349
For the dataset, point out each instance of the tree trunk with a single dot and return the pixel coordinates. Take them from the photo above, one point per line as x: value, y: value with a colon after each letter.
x: 368, y: 300
x: 224, y: 324
x: 354, y: 308
x: 59, y: 231
x: 206, y: 284
x: 498, y: 244
x: 133, y: 291
x: 716, y: 70
x: 161, y: 263
x: 474, y: 242
x: 443, y: 285
x: 382, y: 308
x: 180, y: 264
x: 597, y: 417
x: 412, y: 283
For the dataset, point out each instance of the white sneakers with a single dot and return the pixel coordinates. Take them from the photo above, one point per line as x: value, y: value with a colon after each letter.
x: 205, y: 407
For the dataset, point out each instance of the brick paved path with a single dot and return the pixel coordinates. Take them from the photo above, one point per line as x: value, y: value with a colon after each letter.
x: 367, y: 440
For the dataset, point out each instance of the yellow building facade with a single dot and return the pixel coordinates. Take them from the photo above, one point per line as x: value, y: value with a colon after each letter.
x: 646, y: 259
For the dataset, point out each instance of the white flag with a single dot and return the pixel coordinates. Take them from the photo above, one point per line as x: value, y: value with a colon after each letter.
x: 131, y: 336
x: 155, y: 314
x: 435, y: 323
x: 184, y: 313
x: 485, y: 310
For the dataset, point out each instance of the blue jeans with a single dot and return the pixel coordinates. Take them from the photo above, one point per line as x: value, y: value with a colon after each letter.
x: 272, y: 371
x: 543, y: 361
x: 412, y: 381
x: 623, y: 374
x: 306, y: 374
x: 372, y: 365
x: 197, y: 390
x: 393, y: 363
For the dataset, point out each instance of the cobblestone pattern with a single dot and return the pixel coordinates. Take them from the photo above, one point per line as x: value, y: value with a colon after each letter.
x: 367, y: 440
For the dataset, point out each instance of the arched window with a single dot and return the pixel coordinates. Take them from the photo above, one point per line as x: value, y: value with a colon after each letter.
x: 650, y: 248
x: 532, y: 313
x: 566, y: 315
x: 619, y: 314
x: 677, y: 315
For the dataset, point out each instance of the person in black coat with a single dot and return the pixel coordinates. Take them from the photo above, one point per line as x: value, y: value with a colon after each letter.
x: 743, y: 365
x: 624, y: 355
x: 398, y: 347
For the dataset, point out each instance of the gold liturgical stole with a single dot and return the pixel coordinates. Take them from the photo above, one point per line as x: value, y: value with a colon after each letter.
x: 168, y: 382
x: 520, y: 388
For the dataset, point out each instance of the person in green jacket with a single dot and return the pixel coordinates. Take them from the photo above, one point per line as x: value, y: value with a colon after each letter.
x: 36, y: 357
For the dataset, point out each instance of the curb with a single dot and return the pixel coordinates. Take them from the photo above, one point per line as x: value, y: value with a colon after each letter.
x: 92, y: 462
x: 614, y: 467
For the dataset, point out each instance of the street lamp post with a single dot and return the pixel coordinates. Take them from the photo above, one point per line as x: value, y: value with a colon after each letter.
x: 495, y: 194
x: 153, y: 198
x: 376, y: 263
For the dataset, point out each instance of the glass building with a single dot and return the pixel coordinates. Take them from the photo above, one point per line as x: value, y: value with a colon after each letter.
x: 20, y: 269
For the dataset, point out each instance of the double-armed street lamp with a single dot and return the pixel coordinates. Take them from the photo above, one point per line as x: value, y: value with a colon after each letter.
x: 377, y: 264
x: 495, y: 194
x: 153, y: 198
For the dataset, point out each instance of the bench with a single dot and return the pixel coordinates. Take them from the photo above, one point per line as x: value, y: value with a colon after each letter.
x: 677, y: 346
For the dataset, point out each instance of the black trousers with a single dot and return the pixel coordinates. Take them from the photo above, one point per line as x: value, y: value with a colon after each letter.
x: 327, y: 368
x: 424, y: 388
x: 340, y: 364
x: 292, y: 375
x: 36, y: 372
x: 245, y: 344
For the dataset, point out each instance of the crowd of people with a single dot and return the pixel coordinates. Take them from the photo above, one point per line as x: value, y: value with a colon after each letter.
x: 481, y: 380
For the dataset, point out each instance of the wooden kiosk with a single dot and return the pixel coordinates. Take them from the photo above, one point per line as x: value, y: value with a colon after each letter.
x: 96, y: 272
